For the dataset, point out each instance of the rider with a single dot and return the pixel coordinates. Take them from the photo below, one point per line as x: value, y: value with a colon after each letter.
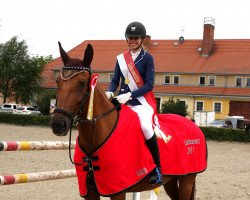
x: 135, y: 68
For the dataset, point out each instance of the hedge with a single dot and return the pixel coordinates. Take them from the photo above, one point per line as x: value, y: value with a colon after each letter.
x: 222, y: 134
x: 210, y: 133
x: 25, y: 120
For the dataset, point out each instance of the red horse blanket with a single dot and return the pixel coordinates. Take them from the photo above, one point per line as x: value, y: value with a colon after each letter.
x: 124, y: 159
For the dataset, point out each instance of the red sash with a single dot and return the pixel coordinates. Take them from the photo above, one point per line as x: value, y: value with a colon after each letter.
x: 137, y: 79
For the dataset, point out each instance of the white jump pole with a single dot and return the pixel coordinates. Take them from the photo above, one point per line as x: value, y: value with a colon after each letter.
x: 136, y: 195
x: 152, y: 196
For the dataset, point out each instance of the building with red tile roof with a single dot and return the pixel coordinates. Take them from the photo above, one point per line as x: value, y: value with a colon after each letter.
x: 208, y: 74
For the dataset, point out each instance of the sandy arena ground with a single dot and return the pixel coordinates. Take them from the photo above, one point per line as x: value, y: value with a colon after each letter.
x: 227, y: 176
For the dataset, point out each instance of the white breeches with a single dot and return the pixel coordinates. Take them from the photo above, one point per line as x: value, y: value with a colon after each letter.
x: 145, y: 114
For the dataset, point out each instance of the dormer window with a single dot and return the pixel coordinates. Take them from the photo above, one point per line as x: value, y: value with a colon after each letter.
x: 211, y: 80
x: 238, y: 82
x: 202, y: 80
x: 176, y: 80
x: 248, y: 82
x: 167, y: 79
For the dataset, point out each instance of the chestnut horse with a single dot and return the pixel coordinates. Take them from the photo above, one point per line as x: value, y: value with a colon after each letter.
x: 73, y: 96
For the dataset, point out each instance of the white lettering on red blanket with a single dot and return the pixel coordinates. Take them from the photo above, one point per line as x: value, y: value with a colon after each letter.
x: 190, y: 144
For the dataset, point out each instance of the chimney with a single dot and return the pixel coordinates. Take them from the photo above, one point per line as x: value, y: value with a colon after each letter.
x: 208, y: 36
x: 146, y: 43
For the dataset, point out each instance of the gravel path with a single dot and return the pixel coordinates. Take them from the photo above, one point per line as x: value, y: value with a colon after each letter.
x: 227, y: 176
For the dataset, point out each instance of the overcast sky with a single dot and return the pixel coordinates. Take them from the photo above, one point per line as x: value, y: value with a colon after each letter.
x: 44, y: 22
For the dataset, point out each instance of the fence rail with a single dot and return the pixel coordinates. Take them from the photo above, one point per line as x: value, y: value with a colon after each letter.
x: 36, y: 177
x: 34, y: 145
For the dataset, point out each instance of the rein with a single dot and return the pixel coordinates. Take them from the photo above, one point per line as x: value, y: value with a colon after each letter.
x: 93, y: 122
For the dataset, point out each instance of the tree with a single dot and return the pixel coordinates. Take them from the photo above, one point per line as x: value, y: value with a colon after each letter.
x: 13, y: 57
x: 176, y: 107
x: 43, y: 101
x: 29, y: 79
x: 20, y: 75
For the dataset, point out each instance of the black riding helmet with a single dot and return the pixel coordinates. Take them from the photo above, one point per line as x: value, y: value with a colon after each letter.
x: 135, y: 29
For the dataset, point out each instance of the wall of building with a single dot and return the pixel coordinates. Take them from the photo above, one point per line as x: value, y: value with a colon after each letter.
x: 208, y: 102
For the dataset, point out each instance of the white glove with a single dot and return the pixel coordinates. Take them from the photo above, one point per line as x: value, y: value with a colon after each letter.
x: 123, y: 98
x: 109, y: 94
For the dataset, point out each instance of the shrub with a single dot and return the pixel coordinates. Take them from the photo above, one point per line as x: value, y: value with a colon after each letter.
x: 176, y: 107
x: 222, y: 134
x: 25, y: 120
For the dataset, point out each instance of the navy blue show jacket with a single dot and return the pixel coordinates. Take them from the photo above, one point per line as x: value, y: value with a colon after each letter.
x: 145, y: 66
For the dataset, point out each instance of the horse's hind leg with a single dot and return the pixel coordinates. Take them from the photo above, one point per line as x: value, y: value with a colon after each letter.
x: 171, y: 188
x: 186, y: 187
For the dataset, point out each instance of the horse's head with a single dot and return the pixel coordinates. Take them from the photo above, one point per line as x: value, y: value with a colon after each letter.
x: 72, y: 88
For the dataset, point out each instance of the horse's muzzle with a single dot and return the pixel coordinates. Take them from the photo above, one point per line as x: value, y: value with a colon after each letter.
x: 60, y: 127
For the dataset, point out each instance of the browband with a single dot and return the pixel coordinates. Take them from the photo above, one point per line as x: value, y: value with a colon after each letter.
x: 78, y: 68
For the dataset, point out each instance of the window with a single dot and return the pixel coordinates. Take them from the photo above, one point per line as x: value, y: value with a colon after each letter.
x: 183, y: 104
x: 211, y: 80
x: 238, y: 82
x: 176, y: 80
x: 217, y: 106
x: 199, y: 106
x: 228, y: 122
x: 7, y: 106
x: 56, y: 74
x: 202, y: 80
x: 111, y: 77
x: 248, y: 82
x: 166, y: 79
x: 158, y: 104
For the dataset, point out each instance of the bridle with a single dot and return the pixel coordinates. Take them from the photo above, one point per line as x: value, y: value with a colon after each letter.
x: 80, y: 69
x: 75, y: 119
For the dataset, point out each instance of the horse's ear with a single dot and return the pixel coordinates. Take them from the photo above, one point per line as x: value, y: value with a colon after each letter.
x: 88, y: 55
x: 64, y: 55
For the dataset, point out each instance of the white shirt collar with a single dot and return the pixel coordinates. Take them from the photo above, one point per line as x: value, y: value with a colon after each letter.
x: 135, y: 55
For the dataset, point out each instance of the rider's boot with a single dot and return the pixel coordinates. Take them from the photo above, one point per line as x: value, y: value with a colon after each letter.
x: 156, y: 177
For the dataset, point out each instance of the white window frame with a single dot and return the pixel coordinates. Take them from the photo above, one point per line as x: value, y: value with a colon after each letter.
x: 220, y: 106
x: 241, y: 78
x: 56, y: 73
x: 196, y: 102
x: 210, y: 78
x: 200, y: 80
x: 165, y: 79
x: 178, y: 76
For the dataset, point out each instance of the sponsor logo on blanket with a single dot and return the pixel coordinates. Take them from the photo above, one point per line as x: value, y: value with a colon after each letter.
x: 142, y: 171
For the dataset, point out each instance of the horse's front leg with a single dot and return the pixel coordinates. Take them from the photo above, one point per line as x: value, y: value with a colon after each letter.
x: 121, y: 196
x: 92, y: 194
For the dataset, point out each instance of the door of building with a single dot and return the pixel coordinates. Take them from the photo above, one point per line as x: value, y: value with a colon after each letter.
x: 239, y: 108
